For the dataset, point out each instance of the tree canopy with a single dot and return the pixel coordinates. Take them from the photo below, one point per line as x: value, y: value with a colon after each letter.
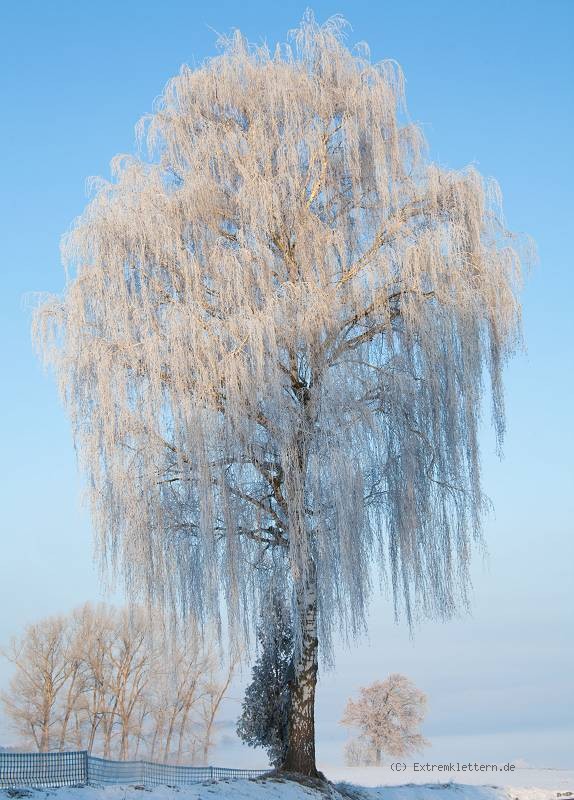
x: 388, y: 715
x: 274, y: 341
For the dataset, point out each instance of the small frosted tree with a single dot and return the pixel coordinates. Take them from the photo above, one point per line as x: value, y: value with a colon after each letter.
x: 388, y: 715
x: 264, y: 719
x: 273, y: 346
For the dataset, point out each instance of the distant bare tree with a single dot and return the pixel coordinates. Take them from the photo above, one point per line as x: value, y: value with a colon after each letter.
x: 273, y: 347
x: 129, y: 660
x: 180, y: 682
x: 213, y: 694
x: 388, y: 715
x: 94, y: 711
x: 193, y: 682
x: 359, y: 752
x: 43, y: 666
x: 76, y: 679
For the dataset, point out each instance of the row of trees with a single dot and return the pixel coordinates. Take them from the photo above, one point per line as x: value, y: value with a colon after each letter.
x: 107, y: 681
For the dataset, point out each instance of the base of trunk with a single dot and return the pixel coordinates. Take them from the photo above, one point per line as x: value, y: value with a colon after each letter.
x: 300, y: 757
x: 302, y: 770
x: 316, y: 781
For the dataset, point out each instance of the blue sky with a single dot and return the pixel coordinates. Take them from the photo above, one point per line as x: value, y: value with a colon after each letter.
x: 491, y: 84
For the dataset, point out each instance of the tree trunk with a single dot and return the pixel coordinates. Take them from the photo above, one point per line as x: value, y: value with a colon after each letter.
x: 301, y: 745
x: 47, y: 705
x: 169, y: 735
x: 182, y: 727
x: 124, y: 740
x: 94, y: 722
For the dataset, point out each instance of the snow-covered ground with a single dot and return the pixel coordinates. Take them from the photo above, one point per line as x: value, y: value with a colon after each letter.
x: 350, y: 784
x: 267, y: 790
x: 557, y: 780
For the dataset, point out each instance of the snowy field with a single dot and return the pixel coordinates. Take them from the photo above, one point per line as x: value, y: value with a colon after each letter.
x: 350, y: 784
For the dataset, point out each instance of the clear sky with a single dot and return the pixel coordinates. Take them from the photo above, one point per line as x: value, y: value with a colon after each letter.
x: 491, y: 84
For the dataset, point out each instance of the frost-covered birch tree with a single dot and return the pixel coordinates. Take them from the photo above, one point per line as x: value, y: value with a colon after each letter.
x: 273, y: 344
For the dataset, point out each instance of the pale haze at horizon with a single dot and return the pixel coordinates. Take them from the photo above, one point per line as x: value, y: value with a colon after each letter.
x: 491, y: 85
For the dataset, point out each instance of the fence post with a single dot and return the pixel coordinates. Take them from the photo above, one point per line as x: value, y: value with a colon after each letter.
x: 211, y: 773
x: 86, y: 767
